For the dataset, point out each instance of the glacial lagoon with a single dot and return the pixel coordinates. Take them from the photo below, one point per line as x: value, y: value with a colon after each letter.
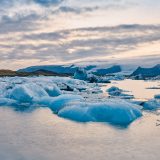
x: 36, y: 133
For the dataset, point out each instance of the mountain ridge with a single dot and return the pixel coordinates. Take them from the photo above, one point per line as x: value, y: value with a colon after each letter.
x: 72, y: 69
x: 147, y: 72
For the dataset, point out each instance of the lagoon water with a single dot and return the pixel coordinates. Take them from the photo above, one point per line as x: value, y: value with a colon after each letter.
x: 141, y: 89
x: 40, y: 135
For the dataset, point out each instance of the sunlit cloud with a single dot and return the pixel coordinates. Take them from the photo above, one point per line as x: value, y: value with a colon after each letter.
x: 72, y: 31
x: 79, y: 44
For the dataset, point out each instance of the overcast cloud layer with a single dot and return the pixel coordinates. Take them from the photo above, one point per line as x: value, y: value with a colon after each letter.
x: 34, y: 32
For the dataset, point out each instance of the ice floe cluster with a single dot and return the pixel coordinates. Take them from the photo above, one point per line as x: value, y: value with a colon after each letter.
x: 66, y: 97
x: 82, y: 74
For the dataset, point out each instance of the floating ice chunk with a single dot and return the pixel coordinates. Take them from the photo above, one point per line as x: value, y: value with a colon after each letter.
x: 117, y: 77
x: 113, y: 88
x: 61, y: 101
x: 7, y: 102
x: 152, y: 104
x: 114, y: 91
x: 76, y: 113
x: 138, y: 102
x: 103, y: 80
x: 52, y: 90
x: 157, y: 96
x: 43, y: 101
x: 126, y: 96
x: 117, y: 112
x: 26, y: 92
x: 22, y: 94
x: 81, y: 74
x: 2, y: 89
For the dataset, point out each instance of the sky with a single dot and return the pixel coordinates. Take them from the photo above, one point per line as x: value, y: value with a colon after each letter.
x: 42, y: 32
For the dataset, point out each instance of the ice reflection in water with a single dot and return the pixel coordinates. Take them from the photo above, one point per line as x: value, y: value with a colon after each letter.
x: 40, y: 135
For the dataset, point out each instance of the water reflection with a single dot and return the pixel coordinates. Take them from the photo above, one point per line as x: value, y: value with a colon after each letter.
x: 42, y: 135
x: 138, y: 88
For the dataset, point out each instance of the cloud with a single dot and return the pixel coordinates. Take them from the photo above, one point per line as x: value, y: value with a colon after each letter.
x: 19, y: 9
x: 80, y: 44
x: 76, y: 10
x: 48, y: 2
x: 66, y: 31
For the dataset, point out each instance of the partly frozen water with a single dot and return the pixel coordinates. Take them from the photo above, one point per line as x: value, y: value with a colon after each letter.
x: 33, y: 132
x: 41, y: 135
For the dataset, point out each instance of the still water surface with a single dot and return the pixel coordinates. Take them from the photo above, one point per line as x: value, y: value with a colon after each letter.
x: 40, y: 135
x: 139, y: 88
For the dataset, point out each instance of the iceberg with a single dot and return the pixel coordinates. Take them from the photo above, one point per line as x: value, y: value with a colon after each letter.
x: 25, y: 93
x: 61, y: 101
x: 118, y: 112
x: 115, y: 91
x: 152, y: 104
x: 82, y: 74
x: 46, y: 92
x: 76, y: 113
x: 52, y: 90
x: 157, y: 96
x: 7, y: 102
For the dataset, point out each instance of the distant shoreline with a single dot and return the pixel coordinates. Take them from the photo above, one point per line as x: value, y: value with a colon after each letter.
x: 10, y: 73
